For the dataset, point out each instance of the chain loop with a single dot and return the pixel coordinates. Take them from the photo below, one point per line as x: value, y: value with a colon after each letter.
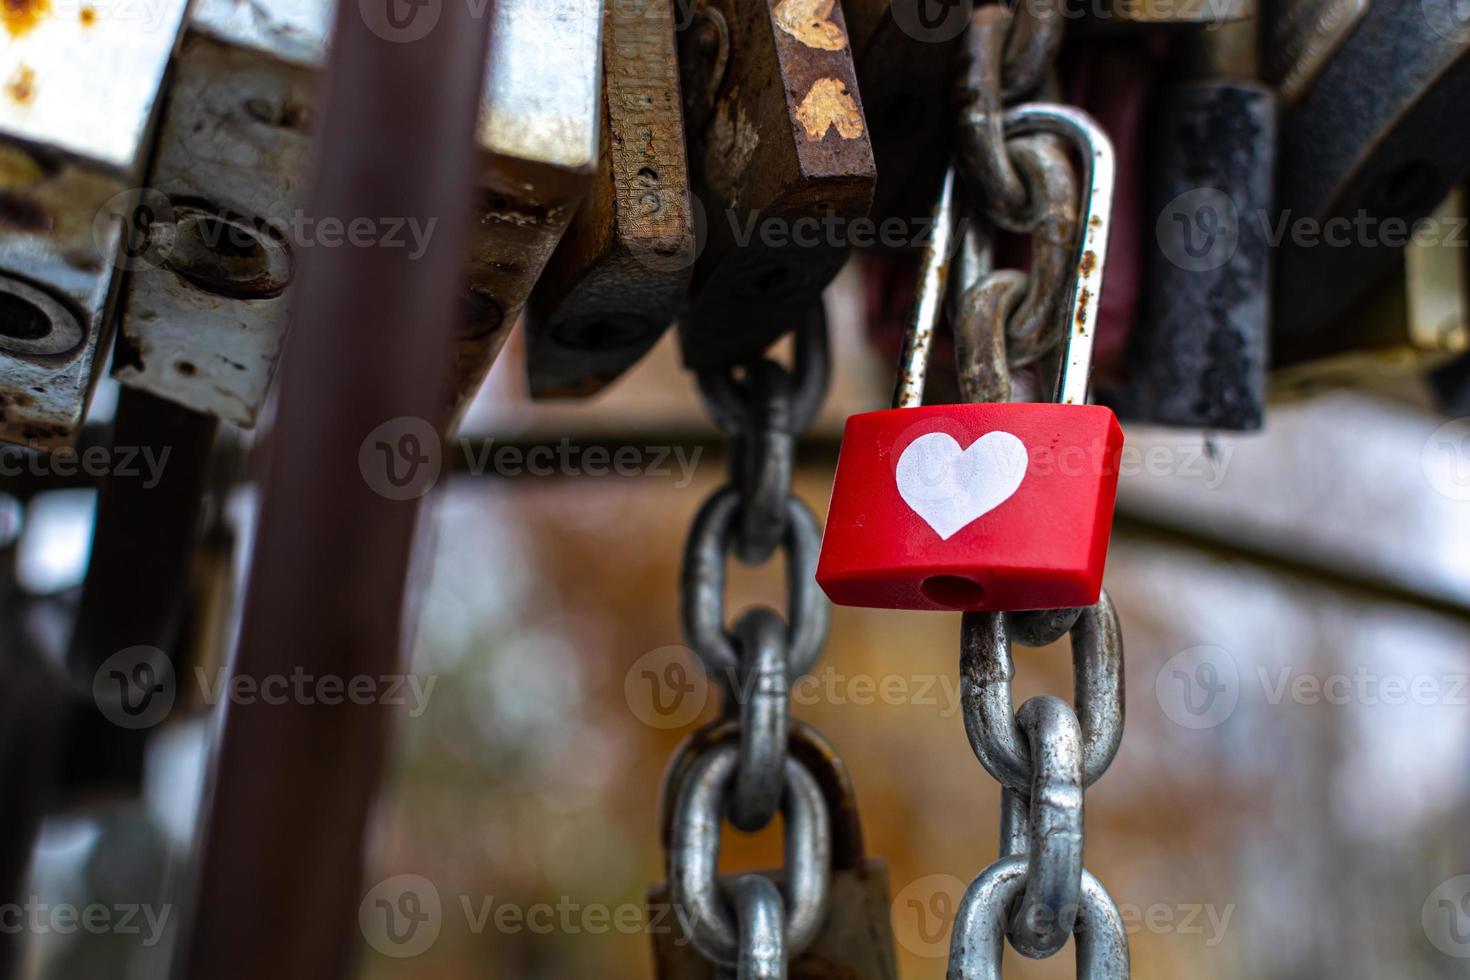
x: 761, y: 914
x: 986, y: 670
x: 980, y: 335
x: 982, y: 137
x: 1048, y: 907
x: 1031, y: 46
x: 762, y: 458
x: 764, y: 708
x: 694, y: 855
x: 1046, y: 170
x: 751, y: 764
x: 702, y: 596
x: 724, y: 395
x: 1041, y: 627
x: 763, y: 411
x: 976, y: 945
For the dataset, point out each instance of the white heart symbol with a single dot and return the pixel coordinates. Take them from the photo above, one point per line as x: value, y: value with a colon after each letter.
x: 949, y: 487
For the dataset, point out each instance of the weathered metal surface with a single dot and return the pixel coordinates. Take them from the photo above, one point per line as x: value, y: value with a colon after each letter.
x: 781, y: 164
x: 539, y: 138
x: 1301, y: 37
x: 616, y: 280
x: 1357, y: 156
x: 206, y: 310
x: 906, y: 71
x: 1197, y: 357
x: 203, y: 311
x: 80, y: 87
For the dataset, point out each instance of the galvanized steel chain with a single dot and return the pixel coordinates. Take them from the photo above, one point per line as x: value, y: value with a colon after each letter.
x: 1023, y: 184
x: 1037, y: 894
x: 753, y: 927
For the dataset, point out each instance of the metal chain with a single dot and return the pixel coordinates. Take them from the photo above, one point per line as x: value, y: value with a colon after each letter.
x: 1037, y: 894
x: 752, y: 928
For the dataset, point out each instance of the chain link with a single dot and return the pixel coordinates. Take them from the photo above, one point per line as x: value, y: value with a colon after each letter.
x: 1037, y: 894
x: 751, y: 927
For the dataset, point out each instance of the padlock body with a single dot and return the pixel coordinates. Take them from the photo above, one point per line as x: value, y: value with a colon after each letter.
x: 972, y: 507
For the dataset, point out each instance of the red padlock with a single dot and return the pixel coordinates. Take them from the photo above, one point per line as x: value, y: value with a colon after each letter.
x: 988, y: 506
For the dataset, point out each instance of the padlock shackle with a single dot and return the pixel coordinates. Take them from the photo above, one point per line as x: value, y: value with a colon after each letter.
x: 918, y: 340
x: 1099, y: 174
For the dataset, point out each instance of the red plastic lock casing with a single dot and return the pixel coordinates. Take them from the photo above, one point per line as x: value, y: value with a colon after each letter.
x: 1024, y: 530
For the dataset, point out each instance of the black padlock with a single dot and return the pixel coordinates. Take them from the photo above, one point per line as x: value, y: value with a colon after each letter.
x: 780, y: 163
x: 1197, y: 356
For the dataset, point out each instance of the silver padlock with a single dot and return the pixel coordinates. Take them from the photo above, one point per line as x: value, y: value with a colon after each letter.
x: 204, y: 310
x: 203, y: 323
x: 79, y: 87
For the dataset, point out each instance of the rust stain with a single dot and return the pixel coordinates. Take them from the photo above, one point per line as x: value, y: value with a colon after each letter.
x: 22, y: 85
x: 1083, y: 299
x: 811, y: 23
x: 18, y: 168
x: 826, y: 105
x: 88, y: 16
x: 22, y: 15
x: 1088, y: 263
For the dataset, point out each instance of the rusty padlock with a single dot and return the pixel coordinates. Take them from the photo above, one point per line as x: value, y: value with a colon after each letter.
x: 780, y: 163
x: 615, y: 282
x: 204, y: 311
x: 77, y: 116
x: 856, y: 940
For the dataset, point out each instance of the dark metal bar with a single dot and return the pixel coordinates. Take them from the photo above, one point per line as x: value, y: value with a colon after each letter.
x: 137, y: 576
x: 30, y: 716
x: 280, y: 873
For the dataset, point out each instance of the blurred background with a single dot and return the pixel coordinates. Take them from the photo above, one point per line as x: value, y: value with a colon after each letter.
x: 1288, y: 802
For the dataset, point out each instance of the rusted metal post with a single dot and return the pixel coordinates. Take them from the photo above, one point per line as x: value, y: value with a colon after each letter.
x: 280, y: 871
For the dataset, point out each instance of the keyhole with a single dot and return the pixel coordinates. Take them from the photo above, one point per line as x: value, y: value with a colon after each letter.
x: 952, y: 591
